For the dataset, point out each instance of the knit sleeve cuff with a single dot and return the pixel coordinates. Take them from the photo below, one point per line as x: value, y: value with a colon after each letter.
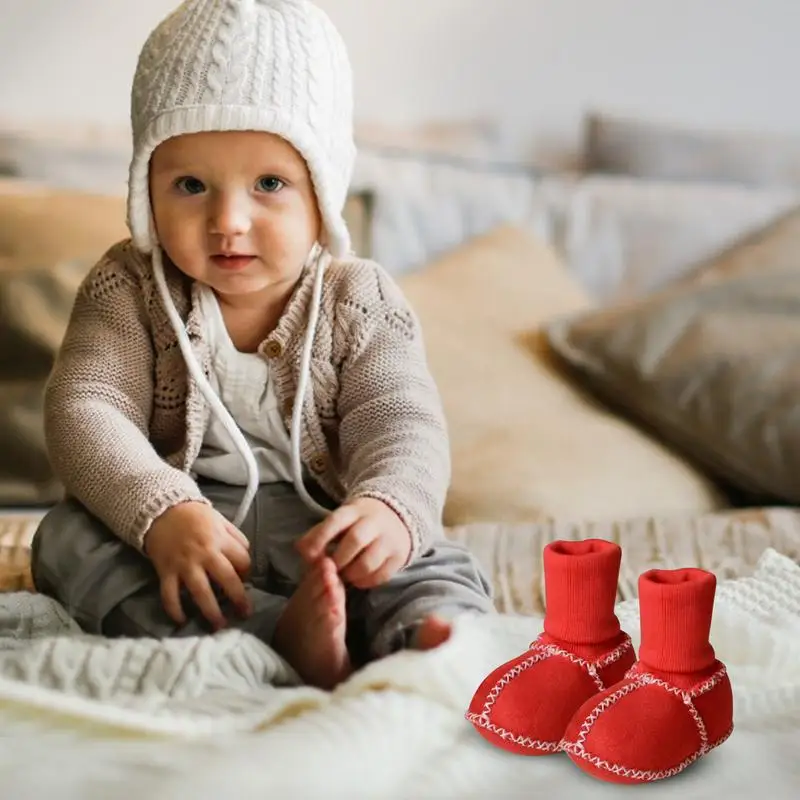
x: 155, y: 507
x: 418, y: 531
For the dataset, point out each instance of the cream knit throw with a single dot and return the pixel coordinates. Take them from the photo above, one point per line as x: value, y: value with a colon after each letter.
x: 190, y: 687
x: 396, y: 730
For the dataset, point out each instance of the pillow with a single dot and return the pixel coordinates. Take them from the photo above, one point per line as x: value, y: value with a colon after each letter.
x: 427, y: 202
x: 80, y: 157
x: 668, y: 152
x: 526, y: 445
x: 626, y: 237
x: 41, y: 225
x: 35, y: 304
x: 710, y: 364
x: 48, y: 241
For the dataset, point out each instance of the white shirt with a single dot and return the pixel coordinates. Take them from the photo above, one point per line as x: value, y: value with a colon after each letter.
x: 244, y: 384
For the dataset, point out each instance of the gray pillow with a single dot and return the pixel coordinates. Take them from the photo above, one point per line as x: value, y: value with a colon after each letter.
x: 641, y: 149
x: 711, y: 365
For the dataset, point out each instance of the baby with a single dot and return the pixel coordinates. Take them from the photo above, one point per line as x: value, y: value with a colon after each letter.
x: 241, y: 412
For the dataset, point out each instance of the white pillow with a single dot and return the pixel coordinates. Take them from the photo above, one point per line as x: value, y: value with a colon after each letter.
x: 624, y: 237
x: 424, y: 204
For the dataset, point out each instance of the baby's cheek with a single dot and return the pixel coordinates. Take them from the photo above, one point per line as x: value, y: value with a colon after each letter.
x: 290, y: 230
x: 186, y: 247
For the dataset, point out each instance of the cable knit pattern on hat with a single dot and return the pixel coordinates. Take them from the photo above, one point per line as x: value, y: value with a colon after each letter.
x: 278, y: 66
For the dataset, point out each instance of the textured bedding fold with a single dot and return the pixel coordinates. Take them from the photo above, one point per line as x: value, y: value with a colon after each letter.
x: 394, y: 730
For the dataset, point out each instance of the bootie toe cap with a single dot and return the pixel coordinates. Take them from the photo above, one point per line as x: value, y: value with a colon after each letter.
x: 645, y: 729
x: 524, y: 705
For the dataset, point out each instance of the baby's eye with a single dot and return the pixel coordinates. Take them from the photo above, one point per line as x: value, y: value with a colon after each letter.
x: 269, y: 184
x: 189, y: 185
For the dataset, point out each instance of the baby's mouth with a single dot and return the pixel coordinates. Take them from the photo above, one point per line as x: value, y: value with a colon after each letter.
x: 232, y: 261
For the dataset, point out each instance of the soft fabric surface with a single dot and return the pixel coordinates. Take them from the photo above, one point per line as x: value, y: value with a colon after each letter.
x: 44, y: 226
x: 16, y: 532
x: 709, y: 364
x: 395, y: 730
x: 624, y: 237
x: 650, y: 149
x: 620, y: 236
x: 728, y: 544
x: 35, y: 304
x: 525, y: 444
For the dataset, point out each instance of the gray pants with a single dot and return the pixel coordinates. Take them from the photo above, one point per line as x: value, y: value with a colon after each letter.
x: 109, y: 588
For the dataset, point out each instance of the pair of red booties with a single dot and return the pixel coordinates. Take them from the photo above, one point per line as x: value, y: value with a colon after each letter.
x: 580, y: 690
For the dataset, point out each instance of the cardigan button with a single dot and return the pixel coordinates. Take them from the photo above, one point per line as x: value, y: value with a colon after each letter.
x: 318, y: 462
x: 273, y: 349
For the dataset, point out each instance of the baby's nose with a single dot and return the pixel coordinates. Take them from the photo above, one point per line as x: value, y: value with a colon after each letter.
x: 231, y: 216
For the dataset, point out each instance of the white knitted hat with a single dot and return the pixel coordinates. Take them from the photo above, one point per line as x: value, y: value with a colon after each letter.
x: 278, y: 66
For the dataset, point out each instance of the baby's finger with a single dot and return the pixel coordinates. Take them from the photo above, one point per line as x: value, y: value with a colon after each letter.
x: 224, y: 573
x: 237, y: 555
x: 171, y: 598
x: 312, y: 545
x: 355, y: 542
x: 384, y: 572
x: 237, y: 534
x: 358, y: 572
x: 199, y: 587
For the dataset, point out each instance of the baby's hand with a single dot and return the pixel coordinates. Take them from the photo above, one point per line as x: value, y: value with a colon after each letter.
x: 374, y: 543
x: 190, y: 543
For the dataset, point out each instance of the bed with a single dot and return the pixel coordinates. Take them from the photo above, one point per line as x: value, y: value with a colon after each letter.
x: 527, y: 286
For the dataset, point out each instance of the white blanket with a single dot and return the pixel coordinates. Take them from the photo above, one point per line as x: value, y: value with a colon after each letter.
x: 201, y: 718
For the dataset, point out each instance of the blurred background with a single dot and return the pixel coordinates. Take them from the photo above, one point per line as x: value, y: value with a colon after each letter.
x: 637, y: 140
x: 534, y: 67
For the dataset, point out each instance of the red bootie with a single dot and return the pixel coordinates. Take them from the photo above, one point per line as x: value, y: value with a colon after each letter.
x: 524, y: 706
x: 674, y: 705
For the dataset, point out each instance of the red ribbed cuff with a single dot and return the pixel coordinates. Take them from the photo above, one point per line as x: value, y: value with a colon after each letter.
x: 581, y: 590
x: 676, y: 607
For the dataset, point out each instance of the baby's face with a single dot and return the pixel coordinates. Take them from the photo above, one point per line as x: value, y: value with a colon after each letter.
x: 234, y: 210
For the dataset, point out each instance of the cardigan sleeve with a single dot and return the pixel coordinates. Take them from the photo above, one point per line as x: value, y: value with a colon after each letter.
x: 98, y: 404
x: 393, y: 433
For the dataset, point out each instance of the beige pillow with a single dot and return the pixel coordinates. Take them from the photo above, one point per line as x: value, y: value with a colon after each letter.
x: 711, y: 364
x: 526, y: 444
x: 41, y: 225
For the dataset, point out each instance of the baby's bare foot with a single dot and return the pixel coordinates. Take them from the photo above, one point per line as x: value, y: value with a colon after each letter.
x: 433, y: 632
x: 310, y: 634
